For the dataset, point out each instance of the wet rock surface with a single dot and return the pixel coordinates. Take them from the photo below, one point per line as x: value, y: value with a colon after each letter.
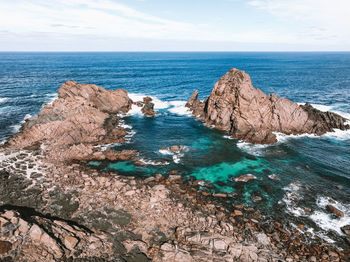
x: 335, y: 211
x: 235, y: 106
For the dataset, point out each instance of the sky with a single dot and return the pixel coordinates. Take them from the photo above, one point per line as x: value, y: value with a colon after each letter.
x: 174, y: 25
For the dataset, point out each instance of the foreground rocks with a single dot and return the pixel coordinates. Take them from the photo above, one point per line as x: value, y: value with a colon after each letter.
x: 71, y: 213
x: 234, y: 105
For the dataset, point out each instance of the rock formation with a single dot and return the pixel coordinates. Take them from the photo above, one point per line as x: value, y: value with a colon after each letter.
x: 83, y: 116
x: 234, y: 105
x: 148, y: 106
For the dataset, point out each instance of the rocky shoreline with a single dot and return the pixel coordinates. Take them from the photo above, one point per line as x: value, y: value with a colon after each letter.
x: 72, y: 213
x: 54, y: 208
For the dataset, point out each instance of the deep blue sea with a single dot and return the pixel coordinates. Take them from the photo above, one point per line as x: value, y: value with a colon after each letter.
x: 308, y: 171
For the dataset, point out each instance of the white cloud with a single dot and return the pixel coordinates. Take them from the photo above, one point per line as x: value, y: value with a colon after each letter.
x: 306, y: 22
x: 326, y: 21
x: 108, y: 18
x: 99, y: 18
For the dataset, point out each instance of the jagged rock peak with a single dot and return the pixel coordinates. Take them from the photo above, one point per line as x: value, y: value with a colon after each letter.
x: 234, y: 105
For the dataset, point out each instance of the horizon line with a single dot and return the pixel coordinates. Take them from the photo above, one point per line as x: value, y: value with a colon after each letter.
x: 175, y: 51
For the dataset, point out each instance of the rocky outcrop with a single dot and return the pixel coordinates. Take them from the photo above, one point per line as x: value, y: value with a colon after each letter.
x: 234, y: 105
x: 148, y: 107
x: 83, y: 116
x: 36, y: 237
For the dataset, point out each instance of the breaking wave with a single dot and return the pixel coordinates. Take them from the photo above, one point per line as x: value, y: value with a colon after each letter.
x: 3, y: 99
x: 174, y: 107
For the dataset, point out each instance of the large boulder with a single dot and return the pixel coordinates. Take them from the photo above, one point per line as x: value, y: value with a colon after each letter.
x: 234, y: 105
x: 82, y: 116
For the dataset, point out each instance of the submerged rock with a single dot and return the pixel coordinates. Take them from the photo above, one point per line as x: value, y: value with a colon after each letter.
x: 234, y: 105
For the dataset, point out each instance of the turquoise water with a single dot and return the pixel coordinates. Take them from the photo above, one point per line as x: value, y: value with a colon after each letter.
x: 314, y: 169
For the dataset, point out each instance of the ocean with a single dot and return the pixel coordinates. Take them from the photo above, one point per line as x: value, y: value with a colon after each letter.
x: 295, y: 178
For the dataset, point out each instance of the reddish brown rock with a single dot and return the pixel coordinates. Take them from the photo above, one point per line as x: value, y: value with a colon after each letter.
x: 148, y: 107
x: 346, y: 229
x: 334, y: 211
x: 5, y: 247
x: 176, y: 149
x: 81, y: 117
x: 237, y: 213
x: 234, y: 105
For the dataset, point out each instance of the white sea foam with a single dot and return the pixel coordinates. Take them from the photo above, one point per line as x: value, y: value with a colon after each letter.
x: 130, y: 135
x: 51, y: 97
x: 16, y: 127
x: 123, y: 125
x: 104, y: 147
x: 154, y: 163
x: 135, y: 110
x: 320, y: 235
x: 321, y: 216
x: 253, y: 149
x: 165, y: 152
x: 174, y: 107
x: 179, y: 108
x: 3, y: 99
x: 177, y: 158
x: 290, y: 198
x: 325, y: 220
x: 339, y: 134
x: 158, y: 104
x: 284, y: 138
x: 175, y: 155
